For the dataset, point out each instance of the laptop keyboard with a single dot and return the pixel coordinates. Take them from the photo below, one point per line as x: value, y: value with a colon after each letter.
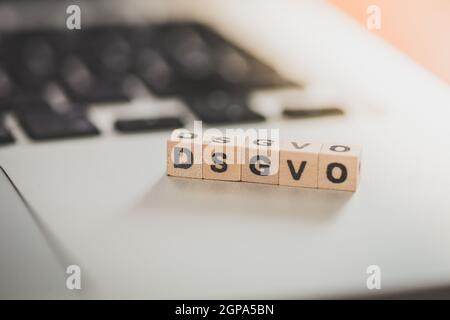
x: 49, y: 79
x: 5, y: 135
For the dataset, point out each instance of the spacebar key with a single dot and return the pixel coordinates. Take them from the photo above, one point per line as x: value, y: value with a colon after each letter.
x: 149, y: 124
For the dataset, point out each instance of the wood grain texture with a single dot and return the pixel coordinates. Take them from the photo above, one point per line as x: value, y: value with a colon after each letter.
x: 339, y: 167
x: 261, y: 161
x: 299, y: 164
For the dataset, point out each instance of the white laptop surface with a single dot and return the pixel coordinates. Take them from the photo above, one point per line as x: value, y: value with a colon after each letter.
x: 137, y: 233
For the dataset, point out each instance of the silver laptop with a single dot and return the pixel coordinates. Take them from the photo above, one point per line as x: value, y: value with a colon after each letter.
x: 85, y: 115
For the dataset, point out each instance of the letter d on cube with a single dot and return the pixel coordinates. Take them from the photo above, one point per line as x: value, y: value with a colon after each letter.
x: 184, y: 154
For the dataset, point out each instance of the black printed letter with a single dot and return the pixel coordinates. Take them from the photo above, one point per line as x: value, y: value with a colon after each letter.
x: 177, y: 158
x: 264, y: 167
x: 219, y: 160
x: 343, y: 169
x: 296, y: 174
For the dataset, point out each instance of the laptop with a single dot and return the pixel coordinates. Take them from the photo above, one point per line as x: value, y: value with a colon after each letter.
x: 86, y: 114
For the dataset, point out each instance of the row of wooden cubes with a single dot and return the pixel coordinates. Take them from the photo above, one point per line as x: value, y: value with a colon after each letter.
x: 289, y: 163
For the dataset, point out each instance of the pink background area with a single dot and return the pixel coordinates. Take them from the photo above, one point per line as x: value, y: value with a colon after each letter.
x: 420, y: 28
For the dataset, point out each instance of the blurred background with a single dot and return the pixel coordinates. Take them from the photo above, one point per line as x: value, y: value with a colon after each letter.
x: 310, y: 68
x: 418, y: 28
x: 52, y: 77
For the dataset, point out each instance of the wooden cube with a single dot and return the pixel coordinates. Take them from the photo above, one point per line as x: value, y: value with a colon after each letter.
x: 184, y: 154
x: 222, y: 158
x: 261, y: 161
x: 339, y: 167
x: 299, y: 164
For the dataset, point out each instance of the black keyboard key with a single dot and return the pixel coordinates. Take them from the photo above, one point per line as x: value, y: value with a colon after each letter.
x: 77, y: 76
x: 115, y: 57
x: 232, y: 66
x: 150, y: 124
x: 30, y: 58
x: 12, y: 96
x: 236, y: 67
x: 204, y: 60
x: 5, y: 135
x: 156, y: 72
x: 189, y: 56
x: 221, y: 107
x: 104, y: 91
x: 107, y: 52
x: 7, y: 89
x: 151, y: 64
x: 190, y: 53
x: 42, y: 122
x: 84, y: 87
x: 141, y: 37
x: 66, y: 43
x: 39, y: 59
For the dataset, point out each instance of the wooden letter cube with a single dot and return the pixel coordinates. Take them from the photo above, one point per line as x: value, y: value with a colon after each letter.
x: 184, y: 154
x: 222, y: 158
x: 339, y: 167
x: 261, y: 161
x: 299, y: 164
